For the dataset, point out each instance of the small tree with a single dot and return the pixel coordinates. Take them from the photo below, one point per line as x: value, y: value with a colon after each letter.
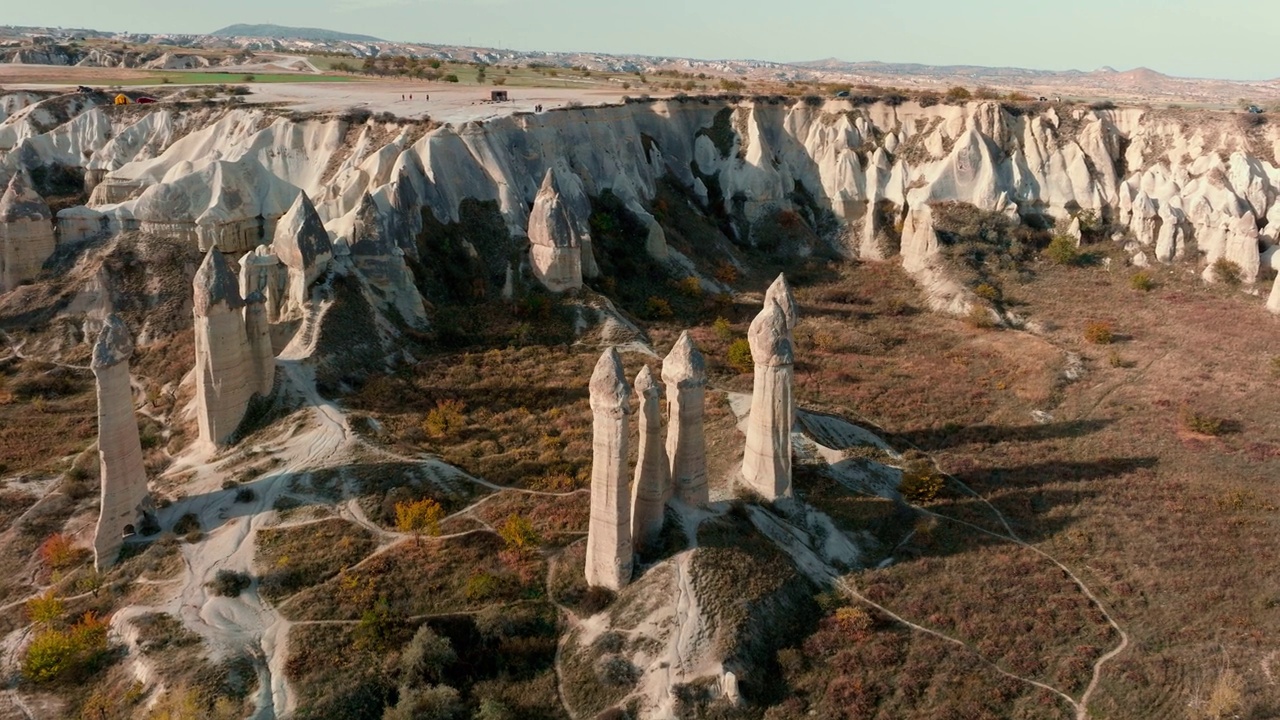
x: 57, y: 551
x: 444, y: 419
x: 518, y: 533
x: 45, y: 609
x: 419, y: 517
x: 722, y: 328
x: 426, y: 657
x: 958, y: 94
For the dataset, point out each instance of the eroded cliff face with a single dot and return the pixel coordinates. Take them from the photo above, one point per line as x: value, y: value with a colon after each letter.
x: 1182, y: 185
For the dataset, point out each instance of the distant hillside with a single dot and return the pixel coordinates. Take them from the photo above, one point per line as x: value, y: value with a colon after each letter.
x: 282, y: 32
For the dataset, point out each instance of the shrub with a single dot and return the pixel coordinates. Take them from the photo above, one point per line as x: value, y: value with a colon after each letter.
x: 690, y: 287
x: 656, y: 308
x: 480, y: 586
x: 723, y: 329
x: 1062, y: 250
x: 444, y: 419
x: 187, y: 524
x: 987, y: 291
x: 920, y: 482
x: 1227, y: 272
x: 1142, y: 281
x: 958, y: 94
x: 980, y: 317
x: 57, y: 551
x: 451, y: 78
x: 726, y: 273
x: 1201, y: 423
x: 66, y: 654
x: 740, y: 356
x: 518, y: 533
x: 418, y: 517
x: 438, y: 702
x: 45, y: 609
x: 246, y: 495
x: 248, y: 78
x: 1099, y: 333
x: 426, y: 657
x: 229, y: 583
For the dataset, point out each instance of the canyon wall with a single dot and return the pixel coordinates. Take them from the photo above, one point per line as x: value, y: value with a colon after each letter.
x: 1180, y: 184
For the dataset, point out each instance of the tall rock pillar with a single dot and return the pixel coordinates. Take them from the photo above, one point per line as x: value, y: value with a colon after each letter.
x: 652, y: 485
x: 258, y: 331
x: 685, y: 372
x: 780, y: 292
x: 124, y: 479
x: 766, y: 464
x: 26, y: 233
x: 225, y: 373
x: 609, y: 547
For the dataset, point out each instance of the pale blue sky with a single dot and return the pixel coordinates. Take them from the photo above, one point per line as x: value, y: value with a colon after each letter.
x: 1238, y: 39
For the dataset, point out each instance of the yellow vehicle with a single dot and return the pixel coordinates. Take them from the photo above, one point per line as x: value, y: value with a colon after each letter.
x: 122, y: 99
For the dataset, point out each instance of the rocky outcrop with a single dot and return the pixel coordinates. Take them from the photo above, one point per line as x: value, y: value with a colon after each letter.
x: 609, y: 547
x: 1273, y: 300
x: 556, y: 237
x: 303, y: 247
x: 766, y: 463
x: 124, y: 499
x: 685, y: 373
x: 382, y: 264
x: 652, y: 485
x: 26, y: 233
x: 226, y: 375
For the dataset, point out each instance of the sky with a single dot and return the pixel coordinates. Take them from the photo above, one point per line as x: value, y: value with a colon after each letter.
x: 1231, y: 39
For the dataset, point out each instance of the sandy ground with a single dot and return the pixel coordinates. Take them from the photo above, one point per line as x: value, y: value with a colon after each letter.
x: 443, y: 102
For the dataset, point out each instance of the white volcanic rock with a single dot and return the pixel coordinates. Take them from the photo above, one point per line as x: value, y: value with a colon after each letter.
x: 555, y: 240
x: 260, y: 272
x: 780, y: 292
x: 652, y: 485
x: 382, y: 263
x: 124, y: 497
x: 26, y: 233
x: 609, y: 546
x: 766, y: 462
x: 258, y: 330
x: 226, y: 376
x: 684, y: 371
x: 303, y: 247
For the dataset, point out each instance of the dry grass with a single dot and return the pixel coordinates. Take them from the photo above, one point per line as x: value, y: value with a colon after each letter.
x: 290, y: 559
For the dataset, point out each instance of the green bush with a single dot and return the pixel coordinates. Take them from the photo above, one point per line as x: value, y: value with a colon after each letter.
x: 1201, y: 423
x: 450, y: 78
x: 426, y: 657
x: 1142, y: 281
x: 1227, y: 272
x: 740, y: 356
x: 1062, y: 250
x: 229, y: 583
x: 723, y: 329
x: 920, y: 482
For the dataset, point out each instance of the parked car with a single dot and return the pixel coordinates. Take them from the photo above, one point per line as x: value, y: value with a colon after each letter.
x: 1255, y: 109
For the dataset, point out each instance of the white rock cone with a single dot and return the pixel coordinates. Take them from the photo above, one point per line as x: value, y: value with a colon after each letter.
x: 780, y: 292
x: 609, y: 547
x: 124, y: 478
x: 685, y: 373
x: 303, y: 246
x: 225, y: 374
x: 766, y: 463
x: 259, y: 271
x: 555, y: 242
x: 1273, y: 300
x: 26, y: 233
x: 652, y: 485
